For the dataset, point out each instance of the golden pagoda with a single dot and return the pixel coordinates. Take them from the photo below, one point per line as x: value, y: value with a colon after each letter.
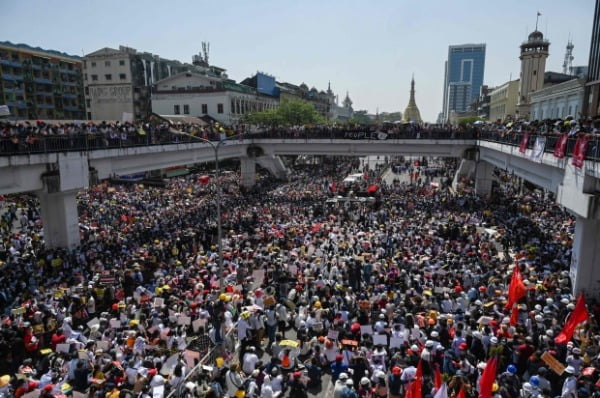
x: 411, y: 113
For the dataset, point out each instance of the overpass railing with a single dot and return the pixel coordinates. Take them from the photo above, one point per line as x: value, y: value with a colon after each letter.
x: 515, y: 139
x: 21, y: 145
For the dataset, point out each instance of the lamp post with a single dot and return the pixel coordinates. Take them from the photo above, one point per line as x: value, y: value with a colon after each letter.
x: 215, y: 148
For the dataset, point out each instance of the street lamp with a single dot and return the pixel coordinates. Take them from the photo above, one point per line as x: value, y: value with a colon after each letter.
x: 215, y: 148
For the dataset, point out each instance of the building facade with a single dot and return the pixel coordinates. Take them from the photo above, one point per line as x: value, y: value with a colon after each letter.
x: 558, y: 101
x: 200, y: 95
x: 40, y: 84
x: 503, y: 101
x: 118, y: 82
x: 592, y: 89
x: 463, y: 77
x: 534, y: 53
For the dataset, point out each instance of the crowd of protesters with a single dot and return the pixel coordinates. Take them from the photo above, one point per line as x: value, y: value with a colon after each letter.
x: 374, y: 293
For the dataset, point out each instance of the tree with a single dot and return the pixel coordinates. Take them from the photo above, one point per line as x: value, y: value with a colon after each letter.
x: 288, y: 113
x: 360, y: 117
x: 464, y: 121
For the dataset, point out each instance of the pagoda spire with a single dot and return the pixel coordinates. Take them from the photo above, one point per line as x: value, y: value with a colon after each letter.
x: 411, y: 113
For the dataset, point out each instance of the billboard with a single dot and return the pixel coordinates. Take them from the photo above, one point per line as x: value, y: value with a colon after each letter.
x: 265, y: 84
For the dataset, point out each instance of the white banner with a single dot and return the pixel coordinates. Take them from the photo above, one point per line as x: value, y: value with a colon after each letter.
x: 538, y: 149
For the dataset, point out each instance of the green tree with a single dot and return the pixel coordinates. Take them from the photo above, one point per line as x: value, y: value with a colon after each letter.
x: 360, y: 117
x: 288, y: 113
x: 464, y: 121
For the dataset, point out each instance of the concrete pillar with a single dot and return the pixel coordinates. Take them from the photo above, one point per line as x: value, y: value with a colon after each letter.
x: 248, y: 172
x: 585, y: 258
x: 60, y: 218
x: 483, y: 178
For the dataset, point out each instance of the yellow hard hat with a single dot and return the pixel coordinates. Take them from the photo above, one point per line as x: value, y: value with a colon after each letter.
x: 220, y: 362
x: 222, y: 297
x: 494, y: 387
x: 317, y: 304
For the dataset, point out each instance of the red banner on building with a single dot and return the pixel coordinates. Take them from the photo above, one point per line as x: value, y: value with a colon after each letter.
x: 580, y: 150
x: 524, y: 140
x: 560, y: 148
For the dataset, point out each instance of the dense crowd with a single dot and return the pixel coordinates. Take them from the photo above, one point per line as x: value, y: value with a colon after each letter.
x: 337, y: 296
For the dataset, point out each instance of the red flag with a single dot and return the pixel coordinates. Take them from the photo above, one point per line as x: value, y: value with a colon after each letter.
x: 437, y: 377
x: 514, y: 315
x: 488, y: 377
x: 332, y: 187
x: 578, y: 315
x: 461, y: 392
x: 372, y: 188
x: 316, y: 228
x: 580, y: 150
x: 408, y: 393
x: 560, y: 147
x: 517, y: 289
x: 204, y: 179
x: 417, y: 384
x: 523, y: 146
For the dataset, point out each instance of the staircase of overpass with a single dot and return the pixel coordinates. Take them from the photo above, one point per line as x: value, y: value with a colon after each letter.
x: 55, y: 168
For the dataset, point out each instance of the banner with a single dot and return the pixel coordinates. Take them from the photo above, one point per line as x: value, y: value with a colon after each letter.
x: 538, y: 149
x: 560, y: 148
x: 580, y: 150
x: 365, y: 135
x: 524, y: 140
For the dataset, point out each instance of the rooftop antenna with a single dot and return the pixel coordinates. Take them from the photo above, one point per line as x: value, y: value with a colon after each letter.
x: 568, y: 62
x: 205, y: 51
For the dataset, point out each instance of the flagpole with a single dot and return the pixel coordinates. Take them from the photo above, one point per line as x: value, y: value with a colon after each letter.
x: 536, y: 20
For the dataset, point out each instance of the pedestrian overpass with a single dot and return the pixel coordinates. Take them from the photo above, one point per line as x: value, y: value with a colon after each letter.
x: 56, y: 176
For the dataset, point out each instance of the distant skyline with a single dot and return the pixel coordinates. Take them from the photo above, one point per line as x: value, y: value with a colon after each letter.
x: 369, y: 49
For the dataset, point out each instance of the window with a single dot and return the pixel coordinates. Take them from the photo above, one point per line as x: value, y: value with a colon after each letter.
x: 108, y: 76
x: 89, y: 115
x: 106, y: 63
x: 87, y: 91
x: 219, y: 108
x: 94, y: 78
x: 122, y: 76
x: 85, y: 76
x: 232, y: 106
x: 176, y: 110
x: 93, y: 64
x: 186, y: 109
x: 84, y: 64
x: 534, y: 72
x: 204, y: 108
x: 121, y: 62
x: 88, y: 103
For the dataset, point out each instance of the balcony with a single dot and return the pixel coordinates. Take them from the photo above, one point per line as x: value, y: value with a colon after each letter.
x: 69, y: 71
x: 8, y: 62
x: 43, y: 94
x: 67, y: 83
x: 69, y: 96
x: 45, y: 106
x: 17, y: 104
x: 42, y: 80
x: 15, y: 78
x: 71, y: 108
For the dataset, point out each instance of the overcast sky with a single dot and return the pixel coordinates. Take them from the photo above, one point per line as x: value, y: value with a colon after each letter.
x: 369, y: 48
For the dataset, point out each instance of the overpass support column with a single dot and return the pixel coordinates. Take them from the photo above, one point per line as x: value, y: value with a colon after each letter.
x: 483, y: 178
x: 248, y: 172
x: 585, y: 257
x: 60, y: 218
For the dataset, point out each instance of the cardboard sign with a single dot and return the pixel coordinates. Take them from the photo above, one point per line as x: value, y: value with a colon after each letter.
x: 159, y: 302
x: 485, y: 320
x: 63, y: 348
x: 184, y: 320
x: 258, y: 276
x: 333, y: 334
x: 380, y: 339
x: 553, y: 363
x: 191, y: 357
x: 353, y: 343
x: 396, y: 342
x: 366, y: 329
x: 102, y: 345
x: 198, y: 323
x: 158, y: 392
x: 93, y: 322
x: 115, y: 324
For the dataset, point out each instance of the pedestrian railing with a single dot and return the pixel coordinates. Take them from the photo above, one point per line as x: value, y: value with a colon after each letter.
x: 24, y: 145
